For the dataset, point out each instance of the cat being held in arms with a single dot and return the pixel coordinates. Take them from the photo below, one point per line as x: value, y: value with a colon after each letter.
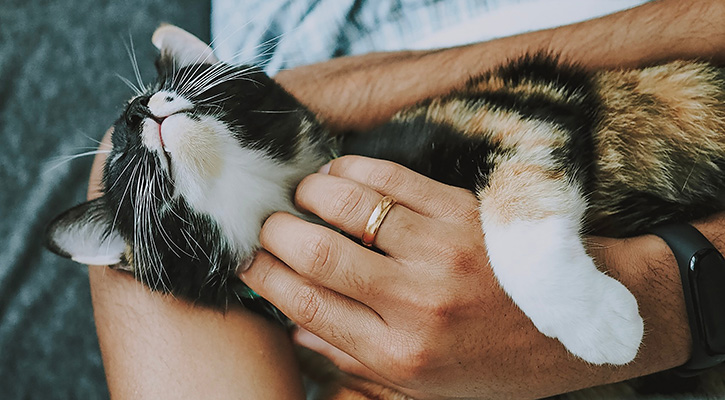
x: 204, y: 155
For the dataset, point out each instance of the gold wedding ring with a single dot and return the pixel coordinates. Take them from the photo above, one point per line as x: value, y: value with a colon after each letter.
x: 376, y: 219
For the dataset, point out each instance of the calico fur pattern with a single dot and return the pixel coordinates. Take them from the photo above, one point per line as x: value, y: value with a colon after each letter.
x: 552, y: 152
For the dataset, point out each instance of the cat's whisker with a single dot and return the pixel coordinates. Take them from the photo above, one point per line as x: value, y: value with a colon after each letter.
x: 200, y: 248
x: 99, y: 144
x: 276, y: 111
x: 131, y: 51
x: 198, y: 64
x: 155, y: 216
x: 186, y: 84
x: 125, y: 191
x: 62, y: 160
x: 137, y: 91
x: 164, y: 234
x: 186, y: 235
x: 139, y: 271
x: 232, y: 33
x: 210, y: 75
x: 689, y: 175
x: 269, y: 46
x: 149, y: 243
x: 223, y: 80
x: 211, y: 44
x: 205, y: 79
x: 161, y: 273
x: 214, y: 100
x: 130, y: 162
x: 144, y: 260
x: 148, y: 209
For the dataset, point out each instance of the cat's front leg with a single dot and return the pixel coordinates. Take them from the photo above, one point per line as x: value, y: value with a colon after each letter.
x: 531, y: 218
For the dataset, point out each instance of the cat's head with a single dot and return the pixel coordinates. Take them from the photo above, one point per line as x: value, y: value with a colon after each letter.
x: 199, y: 160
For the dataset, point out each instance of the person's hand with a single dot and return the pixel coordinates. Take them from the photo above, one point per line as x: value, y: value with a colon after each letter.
x: 428, y: 314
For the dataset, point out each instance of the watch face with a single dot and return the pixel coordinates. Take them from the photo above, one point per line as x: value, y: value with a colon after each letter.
x: 707, y: 277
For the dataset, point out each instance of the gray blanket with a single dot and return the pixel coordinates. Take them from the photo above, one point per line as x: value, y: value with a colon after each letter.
x: 58, y: 94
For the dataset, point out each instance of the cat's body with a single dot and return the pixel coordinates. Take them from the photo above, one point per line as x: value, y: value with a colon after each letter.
x: 550, y: 150
x: 645, y: 145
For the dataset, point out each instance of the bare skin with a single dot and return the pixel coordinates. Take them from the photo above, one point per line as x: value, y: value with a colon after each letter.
x: 430, y: 319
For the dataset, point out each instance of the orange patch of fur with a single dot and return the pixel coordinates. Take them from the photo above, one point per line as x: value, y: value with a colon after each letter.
x: 521, y: 191
x: 654, y: 118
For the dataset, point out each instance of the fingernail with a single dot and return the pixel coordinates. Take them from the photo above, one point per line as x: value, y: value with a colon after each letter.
x: 244, y: 266
x: 325, y: 169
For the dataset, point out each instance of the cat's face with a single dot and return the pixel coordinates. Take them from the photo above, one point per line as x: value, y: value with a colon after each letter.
x: 199, y: 160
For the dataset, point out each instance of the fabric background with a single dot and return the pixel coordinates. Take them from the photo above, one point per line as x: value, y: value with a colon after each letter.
x: 58, y: 95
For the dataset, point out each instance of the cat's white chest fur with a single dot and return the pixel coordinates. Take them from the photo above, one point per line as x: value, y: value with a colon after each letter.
x: 238, y: 187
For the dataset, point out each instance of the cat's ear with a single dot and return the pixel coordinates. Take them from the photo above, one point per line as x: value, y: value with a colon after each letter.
x: 85, y: 234
x: 182, y: 47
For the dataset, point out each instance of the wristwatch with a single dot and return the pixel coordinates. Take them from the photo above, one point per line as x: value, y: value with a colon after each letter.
x: 702, y: 269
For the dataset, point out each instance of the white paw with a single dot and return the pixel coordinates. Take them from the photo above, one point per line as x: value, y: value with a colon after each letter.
x: 601, y: 324
x: 556, y: 284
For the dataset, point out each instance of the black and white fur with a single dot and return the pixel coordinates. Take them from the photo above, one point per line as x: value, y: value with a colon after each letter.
x: 192, y: 175
x: 202, y: 157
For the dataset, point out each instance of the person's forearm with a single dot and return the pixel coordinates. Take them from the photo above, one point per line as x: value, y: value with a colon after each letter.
x: 157, y: 347
x: 362, y: 91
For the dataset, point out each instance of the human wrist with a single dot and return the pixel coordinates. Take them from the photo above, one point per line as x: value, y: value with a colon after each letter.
x: 647, y: 267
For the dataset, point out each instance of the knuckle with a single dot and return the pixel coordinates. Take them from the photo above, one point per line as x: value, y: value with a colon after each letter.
x: 308, y: 307
x: 435, y: 310
x: 461, y: 206
x: 440, y: 310
x: 367, y: 287
x: 385, y: 175
x: 316, y: 257
x: 410, y: 363
x: 349, y: 197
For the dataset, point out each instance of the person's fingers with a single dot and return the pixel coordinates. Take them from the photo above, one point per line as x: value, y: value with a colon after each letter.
x: 327, y: 258
x: 337, y: 319
x: 348, y: 205
x: 415, y: 191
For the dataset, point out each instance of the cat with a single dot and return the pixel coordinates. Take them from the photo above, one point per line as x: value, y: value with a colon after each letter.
x: 552, y: 151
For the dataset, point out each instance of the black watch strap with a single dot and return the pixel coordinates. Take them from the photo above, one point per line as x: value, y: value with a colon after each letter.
x: 702, y: 269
